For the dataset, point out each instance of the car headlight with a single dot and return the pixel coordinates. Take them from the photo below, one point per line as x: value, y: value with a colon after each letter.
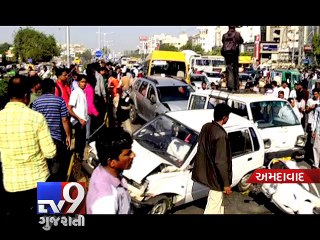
x: 301, y: 140
x: 267, y: 143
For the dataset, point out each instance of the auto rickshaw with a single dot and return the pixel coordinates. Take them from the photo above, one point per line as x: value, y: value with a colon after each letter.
x: 289, y: 76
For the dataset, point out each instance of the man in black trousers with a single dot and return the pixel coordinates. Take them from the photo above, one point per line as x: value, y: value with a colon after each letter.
x: 231, y: 41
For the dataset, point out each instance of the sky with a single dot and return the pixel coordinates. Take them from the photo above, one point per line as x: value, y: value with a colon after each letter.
x: 119, y: 38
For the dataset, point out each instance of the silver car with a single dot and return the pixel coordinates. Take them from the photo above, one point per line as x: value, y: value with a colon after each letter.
x: 154, y: 95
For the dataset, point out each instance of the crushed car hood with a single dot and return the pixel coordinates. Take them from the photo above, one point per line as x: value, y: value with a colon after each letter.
x: 144, y: 162
x: 177, y: 105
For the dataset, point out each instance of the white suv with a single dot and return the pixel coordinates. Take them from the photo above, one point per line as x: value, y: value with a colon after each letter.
x: 279, y: 127
x: 160, y: 176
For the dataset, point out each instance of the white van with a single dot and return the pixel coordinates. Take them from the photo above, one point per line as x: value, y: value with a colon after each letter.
x: 279, y: 127
x: 160, y: 175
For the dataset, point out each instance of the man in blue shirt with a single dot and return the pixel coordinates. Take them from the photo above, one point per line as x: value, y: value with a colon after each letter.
x: 56, y: 113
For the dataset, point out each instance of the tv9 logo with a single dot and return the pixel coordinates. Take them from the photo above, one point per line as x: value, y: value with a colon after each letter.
x: 61, y: 197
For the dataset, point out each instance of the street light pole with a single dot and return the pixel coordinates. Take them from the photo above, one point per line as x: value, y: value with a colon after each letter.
x: 99, y: 38
x: 300, y: 44
x: 293, y: 42
x: 104, y: 43
x: 68, y: 46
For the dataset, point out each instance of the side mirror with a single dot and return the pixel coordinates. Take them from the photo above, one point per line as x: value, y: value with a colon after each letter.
x: 153, y: 99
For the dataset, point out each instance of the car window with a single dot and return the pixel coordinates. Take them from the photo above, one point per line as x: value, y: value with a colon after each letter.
x: 239, y: 109
x: 240, y: 142
x: 244, y: 77
x: 255, y: 140
x: 173, y: 93
x: 268, y: 114
x: 151, y: 92
x: 168, y: 139
x: 197, y: 102
x: 213, y: 75
x: 143, y: 88
x: 198, y: 78
x: 136, y: 84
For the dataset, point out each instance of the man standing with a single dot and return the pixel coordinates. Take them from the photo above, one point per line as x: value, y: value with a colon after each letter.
x: 55, y: 111
x: 231, y: 41
x: 212, y: 162
x: 25, y: 143
x: 315, y: 129
x: 108, y: 190
x: 62, y: 88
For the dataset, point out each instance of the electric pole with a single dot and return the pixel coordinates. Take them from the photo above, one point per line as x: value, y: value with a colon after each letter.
x: 68, y: 46
x: 300, y: 44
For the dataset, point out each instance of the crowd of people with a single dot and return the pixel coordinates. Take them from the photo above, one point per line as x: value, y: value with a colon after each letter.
x: 44, y: 113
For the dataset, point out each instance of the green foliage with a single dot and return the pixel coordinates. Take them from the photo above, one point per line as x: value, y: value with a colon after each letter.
x: 246, y: 54
x: 30, y: 43
x: 167, y: 47
x: 86, y: 56
x: 189, y: 46
x: 4, y: 47
x: 216, y: 51
x: 316, y: 44
x: 3, y: 92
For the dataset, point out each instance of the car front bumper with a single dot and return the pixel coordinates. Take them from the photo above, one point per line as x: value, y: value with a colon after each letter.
x: 296, y: 153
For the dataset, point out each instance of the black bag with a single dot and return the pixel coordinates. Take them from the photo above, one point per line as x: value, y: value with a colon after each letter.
x: 230, y: 46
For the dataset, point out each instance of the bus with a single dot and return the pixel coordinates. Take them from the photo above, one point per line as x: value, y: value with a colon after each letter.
x: 77, y: 60
x: 245, y: 61
x: 167, y: 63
x: 208, y: 63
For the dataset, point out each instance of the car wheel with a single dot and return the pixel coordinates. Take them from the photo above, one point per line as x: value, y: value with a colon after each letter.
x: 243, y: 185
x: 161, y: 205
x: 133, y: 114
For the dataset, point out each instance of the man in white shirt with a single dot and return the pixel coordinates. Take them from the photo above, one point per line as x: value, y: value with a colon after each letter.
x: 295, y: 108
x: 285, y: 89
x: 44, y: 73
x: 297, y: 88
x: 275, y: 88
x: 312, y: 104
x: 78, y: 109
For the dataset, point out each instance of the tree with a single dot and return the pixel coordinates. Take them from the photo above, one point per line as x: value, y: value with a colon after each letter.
x: 189, y: 46
x: 246, y: 54
x: 86, y: 56
x: 167, y: 47
x: 4, y: 47
x: 316, y: 46
x: 29, y: 43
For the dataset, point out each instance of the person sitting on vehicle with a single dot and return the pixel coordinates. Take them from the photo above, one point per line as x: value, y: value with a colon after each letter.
x: 286, y: 114
x: 203, y: 85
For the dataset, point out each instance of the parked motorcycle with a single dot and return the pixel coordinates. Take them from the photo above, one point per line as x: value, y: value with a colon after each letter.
x: 291, y: 198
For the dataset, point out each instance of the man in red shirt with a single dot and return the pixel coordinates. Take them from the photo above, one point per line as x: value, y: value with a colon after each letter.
x: 62, y: 88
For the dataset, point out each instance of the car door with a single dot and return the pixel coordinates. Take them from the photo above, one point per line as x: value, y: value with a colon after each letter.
x: 141, y: 96
x: 245, y: 152
x: 149, y: 106
x: 197, y: 101
x: 194, y: 190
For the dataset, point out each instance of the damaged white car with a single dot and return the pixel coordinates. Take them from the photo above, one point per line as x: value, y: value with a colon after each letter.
x: 160, y: 176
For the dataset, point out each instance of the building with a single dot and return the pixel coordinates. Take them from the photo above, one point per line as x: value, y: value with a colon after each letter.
x: 206, y: 37
x: 148, y: 44
x: 211, y: 36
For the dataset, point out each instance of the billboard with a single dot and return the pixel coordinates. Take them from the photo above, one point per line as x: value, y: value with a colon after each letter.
x: 143, y: 38
x: 257, y: 48
x: 269, y: 47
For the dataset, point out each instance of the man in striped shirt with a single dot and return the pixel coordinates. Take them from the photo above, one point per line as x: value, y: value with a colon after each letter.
x: 55, y: 111
x: 25, y: 143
